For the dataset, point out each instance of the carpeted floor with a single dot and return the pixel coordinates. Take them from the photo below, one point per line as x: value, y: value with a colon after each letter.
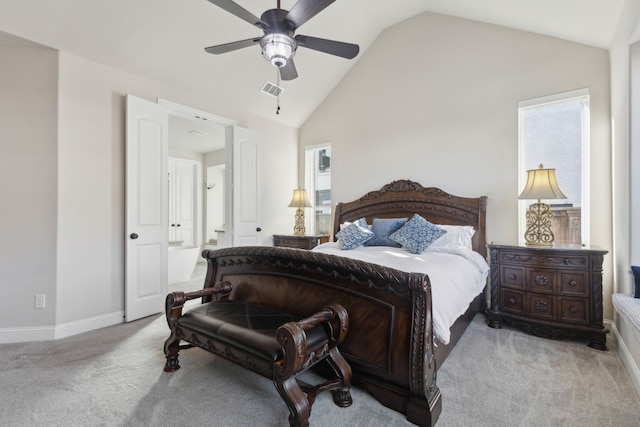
x: 113, y: 377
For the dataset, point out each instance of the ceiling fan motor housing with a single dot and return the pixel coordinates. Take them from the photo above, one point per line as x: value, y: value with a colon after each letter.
x: 278, y: 48
x: 278, y: 44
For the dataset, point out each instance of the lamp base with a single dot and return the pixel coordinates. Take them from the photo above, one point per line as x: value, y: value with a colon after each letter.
x: 539, y: 225
x: 299, y: 229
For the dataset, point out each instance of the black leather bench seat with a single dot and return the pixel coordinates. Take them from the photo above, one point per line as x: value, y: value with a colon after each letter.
x: 248, y: 326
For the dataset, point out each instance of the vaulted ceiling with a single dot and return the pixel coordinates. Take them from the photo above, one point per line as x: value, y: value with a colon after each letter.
x: 164, y: 40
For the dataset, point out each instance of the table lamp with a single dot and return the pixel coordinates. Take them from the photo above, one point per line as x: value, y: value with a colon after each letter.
x: 541, y: 184
x: 299, y: 201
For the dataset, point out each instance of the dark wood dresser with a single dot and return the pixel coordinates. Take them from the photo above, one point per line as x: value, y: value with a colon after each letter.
x: 300, y: 242
x: 548, y: 291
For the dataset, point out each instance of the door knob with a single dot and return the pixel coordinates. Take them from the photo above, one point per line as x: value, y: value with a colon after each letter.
x: 258, y: 229
x: 133, y: 236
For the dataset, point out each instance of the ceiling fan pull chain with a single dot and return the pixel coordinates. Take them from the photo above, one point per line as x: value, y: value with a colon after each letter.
x: 278, y: 97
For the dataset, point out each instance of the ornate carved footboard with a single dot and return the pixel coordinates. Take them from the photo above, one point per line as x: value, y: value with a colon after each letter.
x: 390, y: 343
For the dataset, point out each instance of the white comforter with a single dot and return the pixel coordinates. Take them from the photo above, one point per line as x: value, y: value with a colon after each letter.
x: 457, y: 275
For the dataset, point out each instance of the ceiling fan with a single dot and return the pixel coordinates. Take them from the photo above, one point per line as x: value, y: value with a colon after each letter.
x: 278, y: 42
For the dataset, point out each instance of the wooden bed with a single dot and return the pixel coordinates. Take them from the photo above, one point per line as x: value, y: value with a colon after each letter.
x: 390, y: 345
x: 403, y: 198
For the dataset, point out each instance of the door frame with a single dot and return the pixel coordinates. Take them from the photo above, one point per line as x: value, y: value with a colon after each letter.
x: 180, y: 110
x: 172, y: 108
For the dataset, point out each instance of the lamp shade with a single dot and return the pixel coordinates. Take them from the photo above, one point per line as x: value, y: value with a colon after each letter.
x: 300, y: 199
x: 541, y: 184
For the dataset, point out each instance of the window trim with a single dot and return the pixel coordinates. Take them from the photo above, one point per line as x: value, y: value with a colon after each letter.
x: 309, y: 182
x: 583, y: 96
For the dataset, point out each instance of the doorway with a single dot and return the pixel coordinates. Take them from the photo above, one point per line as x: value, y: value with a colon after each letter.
x: 199, y: 141
x: 147, y: 193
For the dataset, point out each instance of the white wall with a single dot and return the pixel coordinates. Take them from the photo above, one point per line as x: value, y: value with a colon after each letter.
x: 67, y: 185
x: 435, y: 100
x: 28, y: 168
x: 625, y: 152
x: 634, y: 159
x: 279, y: 157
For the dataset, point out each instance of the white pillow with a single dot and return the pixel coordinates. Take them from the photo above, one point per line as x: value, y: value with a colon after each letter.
x: 457, y: 236
x: 348, y: 223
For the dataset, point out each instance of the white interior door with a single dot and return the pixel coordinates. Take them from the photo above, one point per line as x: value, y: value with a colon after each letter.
x: 245, y: 186
x: 147, y: 208
x: 186, y: 202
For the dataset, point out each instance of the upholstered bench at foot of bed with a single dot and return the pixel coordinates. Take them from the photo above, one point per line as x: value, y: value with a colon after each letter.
x: 272, y: 343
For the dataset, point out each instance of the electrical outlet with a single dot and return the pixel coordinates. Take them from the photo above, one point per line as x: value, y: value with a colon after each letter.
x: 40, y: 299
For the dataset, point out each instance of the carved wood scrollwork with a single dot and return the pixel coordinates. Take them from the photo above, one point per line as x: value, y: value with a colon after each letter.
x: 332, y: 266
x: 541, y: 280
x: 542, y: 305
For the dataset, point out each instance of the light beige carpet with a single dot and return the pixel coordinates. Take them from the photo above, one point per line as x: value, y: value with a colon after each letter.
x: 113, y: 377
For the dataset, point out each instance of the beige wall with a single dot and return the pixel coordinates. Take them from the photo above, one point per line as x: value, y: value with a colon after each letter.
x: 435, y: 100
x: 28, y: 173
x: 65, y: 117
x: 91, y: 200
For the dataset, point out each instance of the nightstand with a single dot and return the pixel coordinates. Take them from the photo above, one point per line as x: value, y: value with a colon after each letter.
x: 300, y: 242
x: 548, y: 291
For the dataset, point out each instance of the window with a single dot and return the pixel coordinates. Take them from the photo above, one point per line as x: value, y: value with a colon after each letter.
x: 554, y: 131
x: 318, y: 185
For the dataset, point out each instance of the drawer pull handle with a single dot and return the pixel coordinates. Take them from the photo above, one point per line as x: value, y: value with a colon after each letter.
x: 541, y: 280
x: 512, y: 301
x: 573, y: 283
x: 541, y: 305
x: 512, y: 277
x: 573, y: 309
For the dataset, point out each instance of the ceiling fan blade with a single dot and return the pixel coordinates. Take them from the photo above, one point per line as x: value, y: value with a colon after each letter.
x: 288, y: 72
x: 239, y: 11
x: 229, y: 47
x: 304, y: 10
x: 344, y: 50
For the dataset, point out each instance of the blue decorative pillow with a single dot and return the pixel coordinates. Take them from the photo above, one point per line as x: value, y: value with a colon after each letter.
x: 417, y: 234
x: 636, y: 277
x: 354, y: 235
x: 382, y: 228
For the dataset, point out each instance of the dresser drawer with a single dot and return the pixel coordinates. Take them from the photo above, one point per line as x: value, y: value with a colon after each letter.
x: 541, y: 280
x: 540, y: 306
x: 512, y: 277
x: 512, y: 301
x: 574, y: 310
x: 574, y: 283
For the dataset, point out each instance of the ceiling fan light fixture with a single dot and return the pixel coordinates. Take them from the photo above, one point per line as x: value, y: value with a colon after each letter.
x: 277, y: 48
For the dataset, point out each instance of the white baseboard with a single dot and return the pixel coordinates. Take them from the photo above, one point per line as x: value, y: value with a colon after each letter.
x: 85, y: 325
x: 26, y: 334
x: 625, y: 355
x: 45, y: 333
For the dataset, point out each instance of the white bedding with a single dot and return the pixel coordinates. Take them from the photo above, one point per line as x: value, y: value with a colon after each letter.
x: 457, y: 276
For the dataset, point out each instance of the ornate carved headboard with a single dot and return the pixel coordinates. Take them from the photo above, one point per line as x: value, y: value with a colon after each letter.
x: 404, y: 198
